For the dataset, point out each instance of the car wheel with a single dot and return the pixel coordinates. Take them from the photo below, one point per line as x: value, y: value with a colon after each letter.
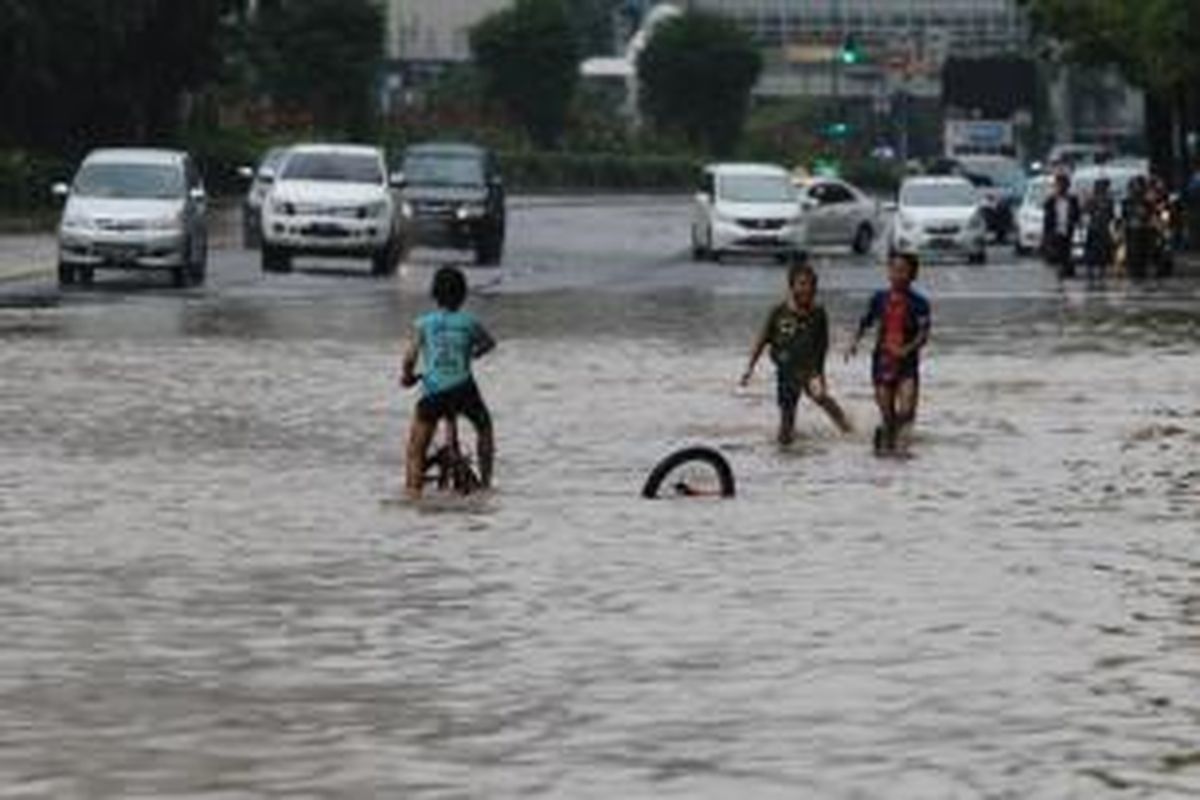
x: 384, y: 260
x: 179, y: 276
x: 487, y: 250
x: 699, y: 253
x: 66, y: 274
x: 863, y: 238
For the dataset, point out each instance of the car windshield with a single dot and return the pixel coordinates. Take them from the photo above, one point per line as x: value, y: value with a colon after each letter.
x: 938, y: 194
x: 130, y: 181
x: 443, y: 169
x: 339, y: 167
x: 757, y: 189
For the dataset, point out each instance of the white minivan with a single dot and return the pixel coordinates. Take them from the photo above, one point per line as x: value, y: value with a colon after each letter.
x: 748, y: 209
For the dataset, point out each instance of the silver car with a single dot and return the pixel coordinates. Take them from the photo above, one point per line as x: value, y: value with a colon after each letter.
x: 134, y: 209
x: 838, y: 213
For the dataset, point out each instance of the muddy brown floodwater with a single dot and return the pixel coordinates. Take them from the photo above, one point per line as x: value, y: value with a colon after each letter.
x: 206, y: 590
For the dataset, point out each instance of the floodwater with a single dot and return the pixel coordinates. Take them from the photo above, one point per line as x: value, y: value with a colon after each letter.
x: 209, y: 591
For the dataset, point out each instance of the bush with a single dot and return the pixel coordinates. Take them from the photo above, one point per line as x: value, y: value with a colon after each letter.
x: 26, y: 178
x: 219, y: 153
x: 598, y: 171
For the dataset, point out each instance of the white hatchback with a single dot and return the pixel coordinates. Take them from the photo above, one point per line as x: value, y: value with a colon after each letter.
x: 749, y: 209
x: 940, y: 216
x: 332, y: 200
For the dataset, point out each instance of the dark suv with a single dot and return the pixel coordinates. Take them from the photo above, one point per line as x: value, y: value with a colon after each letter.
x: 454, y: 197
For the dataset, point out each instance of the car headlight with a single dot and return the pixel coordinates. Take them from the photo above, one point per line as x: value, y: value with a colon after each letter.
x: 907, y: 223
x: 283, y: 208
x: 976, y: 222
x: 377, y: 209
x: 470, y: 211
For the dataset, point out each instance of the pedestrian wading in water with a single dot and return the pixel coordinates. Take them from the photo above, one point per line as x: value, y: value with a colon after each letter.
x: 903, y: 319
x: 445, y: 341
x: 797, y: 333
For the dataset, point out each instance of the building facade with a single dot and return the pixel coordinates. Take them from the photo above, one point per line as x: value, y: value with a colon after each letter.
x: 434, y: 31
x: 895, y: 40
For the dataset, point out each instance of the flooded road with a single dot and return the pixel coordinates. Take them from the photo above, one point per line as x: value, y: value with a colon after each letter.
x: 208, y: 590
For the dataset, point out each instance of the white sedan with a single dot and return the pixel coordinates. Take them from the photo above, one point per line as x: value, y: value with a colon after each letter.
x: 837, y: 213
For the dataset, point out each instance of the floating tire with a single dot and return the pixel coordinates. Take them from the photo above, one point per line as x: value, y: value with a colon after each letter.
x: 672, y: 471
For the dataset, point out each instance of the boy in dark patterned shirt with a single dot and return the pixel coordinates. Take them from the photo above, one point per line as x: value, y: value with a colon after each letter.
x: 797, y: 333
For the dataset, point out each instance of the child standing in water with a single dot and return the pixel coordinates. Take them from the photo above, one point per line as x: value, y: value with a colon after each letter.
x: 797, y: 331
x: 904, y: 320
x: 445, y: 341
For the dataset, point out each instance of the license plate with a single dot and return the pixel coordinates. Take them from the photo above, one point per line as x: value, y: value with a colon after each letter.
x: 118, y: 253
x: 326, y: 229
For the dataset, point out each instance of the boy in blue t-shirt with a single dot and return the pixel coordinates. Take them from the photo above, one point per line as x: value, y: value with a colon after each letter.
x: 445, y: 341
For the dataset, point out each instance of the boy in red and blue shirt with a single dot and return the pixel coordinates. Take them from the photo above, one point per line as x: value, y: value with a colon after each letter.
x: 904, y: 320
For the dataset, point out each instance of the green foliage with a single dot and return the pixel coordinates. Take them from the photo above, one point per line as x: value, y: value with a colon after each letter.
x: 77, y: 72
x: 696, y: 74
x: 597, y: 171
x: 220, y: 151
x: 26, y: 178
x: 322, y: 56
x: 1156, y: 43
x: 529, y: 61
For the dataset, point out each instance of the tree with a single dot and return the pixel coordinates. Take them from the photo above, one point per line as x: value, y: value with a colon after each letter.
x: 322, y: 56
x: 695, y: 77
x: 74, y: 72
x: 529, y: 60
x: 1155, y: 44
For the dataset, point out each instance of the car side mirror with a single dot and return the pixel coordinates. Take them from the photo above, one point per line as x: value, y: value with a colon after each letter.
x: 266, y: 175
x: 197, y: 194
x: 60, y: 190
x: 890, y: 206
x: 397, y: 180
x: 704, y: 198
x: 808, y: 203
x: 246, y: 173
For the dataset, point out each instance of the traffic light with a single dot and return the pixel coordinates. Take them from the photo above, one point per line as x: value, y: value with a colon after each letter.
x: 837, y: 130
x: 850, y: 53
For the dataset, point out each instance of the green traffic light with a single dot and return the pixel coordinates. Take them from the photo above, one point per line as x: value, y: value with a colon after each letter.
x: 850, y: 54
